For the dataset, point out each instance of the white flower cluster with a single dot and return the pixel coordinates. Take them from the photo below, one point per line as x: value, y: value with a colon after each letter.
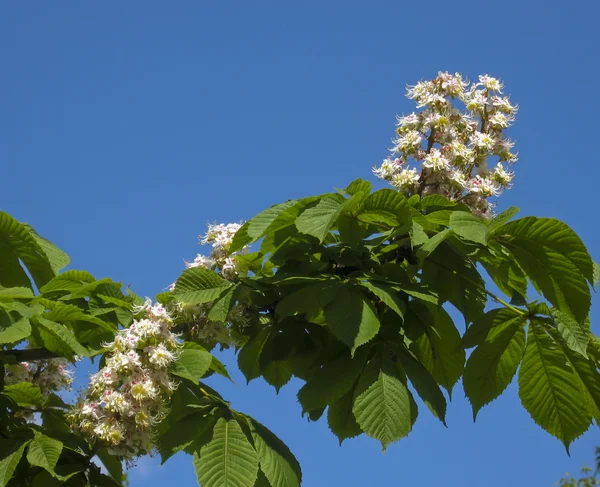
x: 52, y: 375
x: 130, y: 393
x: 220, y: 259
x: 453, y: 145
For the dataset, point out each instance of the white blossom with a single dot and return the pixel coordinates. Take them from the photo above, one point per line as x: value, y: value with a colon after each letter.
x: 130, y: 393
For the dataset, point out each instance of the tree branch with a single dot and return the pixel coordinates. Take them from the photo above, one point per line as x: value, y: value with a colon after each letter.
x: 29, y: 355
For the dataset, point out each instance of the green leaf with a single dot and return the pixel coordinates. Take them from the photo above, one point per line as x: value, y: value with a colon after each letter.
x: 351, y: 318
x: 57, y: 258
x: 275, y: 459
x: 439, y: 346
x: 387, y: 294
x: 425, y: 385
x: 61, y: 312
x: 589, y: 379
x: 309, y: 300
x: 258, y: 225
x: 283, y: 228
x: 332, y: 381
x: 59, y: 339
x: 468, y: 226
x: 44, y: 452
x: 318, y: 220
x: 228, y: 460
x: 434, y: 202
x: 277, y: 373
x: 386, y: 206
x: 249, y: 356
x: 113, y: 465
x: 454, y: 278
x: 222, y: 306
x: 596, y: 279
x: 502, y: 218
x: 553, y: 234
x: 431, y: 244
x: 340, y: 417
x: 383, y: 406
x: 549, y: 388
x: 555, y: 259
x: 185, y: 434
x: 16, y: 332
x: 198, y: 285
x: 24, y: 394
x: 72, y: 280
x: 505, y: 272
x: 98, y: 479
x: 478, y: 331
x: 217, y: 366
x: 11, y: 452
x: 576, y: 335
x: 8, y: 294
x: 193, y: 362
x: 493, y: 364
x: 18, y: 238
x: 359, y: 186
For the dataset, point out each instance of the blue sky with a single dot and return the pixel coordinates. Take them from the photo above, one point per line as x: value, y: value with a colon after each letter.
x: 126, y: 126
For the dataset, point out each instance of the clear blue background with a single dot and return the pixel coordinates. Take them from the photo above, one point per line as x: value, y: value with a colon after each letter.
x: 126, y: 126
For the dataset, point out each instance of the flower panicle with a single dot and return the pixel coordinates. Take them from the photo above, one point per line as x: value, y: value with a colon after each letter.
x: 451, y: 141
x: 129, y: 395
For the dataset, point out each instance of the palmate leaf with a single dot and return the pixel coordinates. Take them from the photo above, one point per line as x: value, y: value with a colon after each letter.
x: 255, y: 228
x: 502, y: 218
x: 493, y: 364
x: 359, y: 186
x: 283, y: 227
x: 57, y: 258
x: 332, y: 381
x: 318, y: 220
x: 44, y: 451
x: 219, y: 311
x: 386, y: 206
x: 438, y: 346
x: 589, y: 379
x: 309, y: 300
x: 387, y: 294
x: 199, y: 285
x: 16, y: 238
x: 276, y: 461
x: 351, y: 318
x: 58, y: 339
x: 554, y: 258
x: 193, y: 362
x: 340, y: 417
x: 15, y: 332
x: 277, y: 373
x: 504, y: 271
x: 468, y: 226
x: 228, y: 459
x: 549, y: 388
x: 478, y: 331
x: 249, y: 356
x: 24, y: 394
x: 454, y: 278
x: 71, y: 281
x: 383, y: 406
x: 11, y: 452
x: 576, y: 335
x: 424, y: 383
